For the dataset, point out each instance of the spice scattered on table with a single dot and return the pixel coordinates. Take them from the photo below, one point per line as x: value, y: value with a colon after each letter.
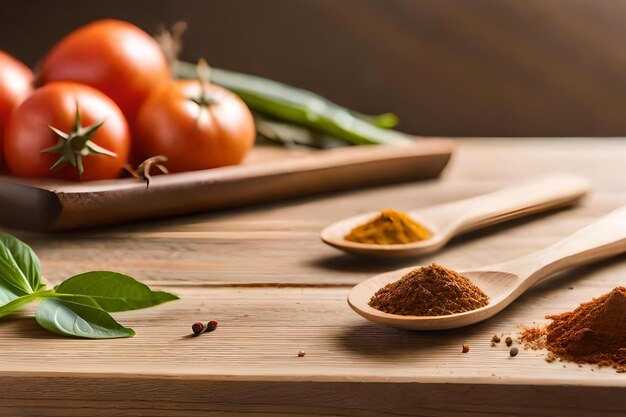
x: 301, y: 353
x: 592, y: 333
x: 197, y: 328
x: 514, y: 351
x: 508, y: 341
x: 390, y: 227
x: 210, y: 326
x: 495, y: 340
x: 465, y: 348
x: 429, y: 291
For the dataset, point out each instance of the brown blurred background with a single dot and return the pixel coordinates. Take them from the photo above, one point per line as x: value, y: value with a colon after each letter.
x: 447, y: 67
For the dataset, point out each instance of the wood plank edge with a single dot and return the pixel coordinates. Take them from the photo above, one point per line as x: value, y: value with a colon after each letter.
x: 43, y: 396
x: 367, y: 379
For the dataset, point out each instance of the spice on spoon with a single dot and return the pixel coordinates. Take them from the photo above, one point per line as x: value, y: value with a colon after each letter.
x: 390, y: 227
x: 429, y: 291
x: 595, y: 332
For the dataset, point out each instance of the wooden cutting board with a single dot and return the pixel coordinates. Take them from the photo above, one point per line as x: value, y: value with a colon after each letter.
x: 269, y: 174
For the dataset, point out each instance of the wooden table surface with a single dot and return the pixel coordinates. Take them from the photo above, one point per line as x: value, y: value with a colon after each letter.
x: 276, y: 289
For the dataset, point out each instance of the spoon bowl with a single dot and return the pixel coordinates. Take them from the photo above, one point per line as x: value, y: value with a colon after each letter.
x: 496, y: 284
x: 503, y: 283
x: 334, y: 235
x: 448, y: 220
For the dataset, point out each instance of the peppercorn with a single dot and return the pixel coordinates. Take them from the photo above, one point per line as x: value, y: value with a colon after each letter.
x: 465, y: 348
x: 508, y: 341
x: 301, y: 353
x: 197, y: 328
x: 514, y: 351
x: 210, y: 326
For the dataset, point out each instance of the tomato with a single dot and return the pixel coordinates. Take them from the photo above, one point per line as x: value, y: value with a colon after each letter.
x: 115, y: 57
x: 195, y: 127
x: 43, y: 138
x: 16, y: 83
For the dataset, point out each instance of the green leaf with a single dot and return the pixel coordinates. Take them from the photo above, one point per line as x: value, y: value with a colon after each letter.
x: 17, y: 303
x: 70, y: 318
x: 7, y: 295
x: 112, y: 291
x: 20, y: 271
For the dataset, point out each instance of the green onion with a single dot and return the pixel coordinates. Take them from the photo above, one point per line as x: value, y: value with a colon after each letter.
x: 296, y: 106
x: 289, y: 134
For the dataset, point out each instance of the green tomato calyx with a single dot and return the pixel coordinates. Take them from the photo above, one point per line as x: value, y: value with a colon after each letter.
x: 76, y: 144
x: 204, y: 100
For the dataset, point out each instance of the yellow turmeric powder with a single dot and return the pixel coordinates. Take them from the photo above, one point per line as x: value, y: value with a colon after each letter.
x: 390, y: 227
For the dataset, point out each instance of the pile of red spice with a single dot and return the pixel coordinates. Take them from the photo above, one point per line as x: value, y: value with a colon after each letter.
x: 593, y: 333
x: 429, y: 291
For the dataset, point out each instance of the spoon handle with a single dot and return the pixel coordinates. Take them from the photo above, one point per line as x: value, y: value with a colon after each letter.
x: 601, y: 239
x: 552, y: 191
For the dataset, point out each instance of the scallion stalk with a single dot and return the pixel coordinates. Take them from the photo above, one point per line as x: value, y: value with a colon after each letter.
x: 296, y: 106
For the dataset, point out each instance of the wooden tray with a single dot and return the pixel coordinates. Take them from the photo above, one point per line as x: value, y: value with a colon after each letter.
x: 269, y: 174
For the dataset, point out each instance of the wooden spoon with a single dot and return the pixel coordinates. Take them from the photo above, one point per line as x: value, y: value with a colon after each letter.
x: 504, y: 282
x: 448, y: 220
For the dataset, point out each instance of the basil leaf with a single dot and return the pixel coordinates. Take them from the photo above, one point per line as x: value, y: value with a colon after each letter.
x: 70, y: 318
x: 20, y: 271
x: 112, y: 291
x: 7, y: 295
x: 16, y: 304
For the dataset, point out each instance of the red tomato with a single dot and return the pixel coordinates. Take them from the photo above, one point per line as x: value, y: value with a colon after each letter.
x: 194, y: 131
x: 115, y: 57
x: 28, y: 134
x: 16, y: 83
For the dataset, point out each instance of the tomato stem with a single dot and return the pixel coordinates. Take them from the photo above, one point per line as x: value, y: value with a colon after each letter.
x: 143, y: 170
x: 203, y: 71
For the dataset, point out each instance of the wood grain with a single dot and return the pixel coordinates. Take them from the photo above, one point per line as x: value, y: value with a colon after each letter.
x: 136, y: 397
x: 261, y: 331
x: 277, y: 289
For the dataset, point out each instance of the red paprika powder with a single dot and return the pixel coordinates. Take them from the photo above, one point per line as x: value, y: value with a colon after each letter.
x: 595, y: 332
